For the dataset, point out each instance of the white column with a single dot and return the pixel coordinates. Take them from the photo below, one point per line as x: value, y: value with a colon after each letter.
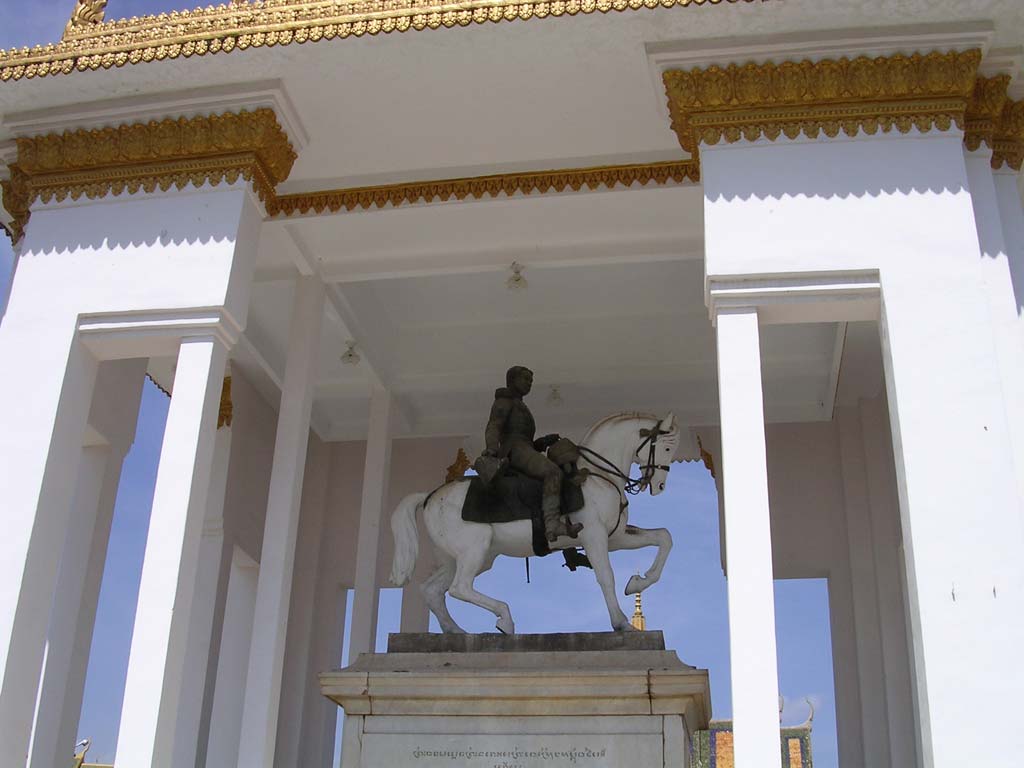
x: 961, y: 517
x: 45, y: 391
x: 995, y: 273
x: 415, y: 612
x: 266, y: 657
x: 1011, y: 216
x: 748, y: 541
x: 156, y: 664
x: 229, y: 692
x: 320, y: 715
x: 200, y: 625
x: 376, y: 473
x: 74, y: 608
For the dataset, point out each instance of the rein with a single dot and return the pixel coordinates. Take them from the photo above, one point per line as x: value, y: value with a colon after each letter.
x: 631, y: 485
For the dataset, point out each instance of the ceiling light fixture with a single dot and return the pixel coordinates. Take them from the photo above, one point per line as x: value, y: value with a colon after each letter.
x: 351, y: 357
x: 555, y: 395
x: 516, y: 281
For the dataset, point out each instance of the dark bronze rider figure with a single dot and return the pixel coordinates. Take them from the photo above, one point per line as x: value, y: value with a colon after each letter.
x: 510, y: 435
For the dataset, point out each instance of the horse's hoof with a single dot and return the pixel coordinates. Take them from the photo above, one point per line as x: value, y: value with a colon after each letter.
x: 506, y: 626
x: 627, y: 627
x: 636, y: 584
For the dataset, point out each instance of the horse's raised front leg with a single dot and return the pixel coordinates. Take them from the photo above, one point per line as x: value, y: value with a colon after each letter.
x: 596, y: 545
x: 632, y: 537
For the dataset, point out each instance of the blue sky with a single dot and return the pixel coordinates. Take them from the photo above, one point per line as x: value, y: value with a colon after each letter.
x: 689, y: 604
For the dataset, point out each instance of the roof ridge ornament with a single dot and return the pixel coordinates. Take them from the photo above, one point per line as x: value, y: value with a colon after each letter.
x: 87, y: 13
x: 239, y: 26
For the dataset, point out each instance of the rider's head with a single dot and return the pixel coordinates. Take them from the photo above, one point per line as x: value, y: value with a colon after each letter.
x: 520, y: 379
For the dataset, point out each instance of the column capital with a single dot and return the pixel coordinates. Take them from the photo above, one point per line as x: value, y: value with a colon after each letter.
x: 119, y: 335
x: 796, y: 298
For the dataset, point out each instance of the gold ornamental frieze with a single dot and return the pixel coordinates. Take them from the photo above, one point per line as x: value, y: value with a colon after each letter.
x: 478, y: 187
x: 89, y: 43
x: 160, y: 154
x: 833, y: 96
x: 984, y: 110
x: 1008, y: 137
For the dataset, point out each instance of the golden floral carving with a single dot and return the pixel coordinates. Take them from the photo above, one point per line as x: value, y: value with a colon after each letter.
x: 825, y: 97
x: 227, y: 409
x: 164, y: 154
x: 458, y: 467
x: 242, y: 25
x: 984, y: 109
x: 538, y: 182
x: 16, y: 199
x: 1008, y: 137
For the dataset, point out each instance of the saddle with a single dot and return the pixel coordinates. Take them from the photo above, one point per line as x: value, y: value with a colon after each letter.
x: 512, y: 496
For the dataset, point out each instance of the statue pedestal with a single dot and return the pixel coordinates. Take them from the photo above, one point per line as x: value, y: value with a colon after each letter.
x: 583, y: 700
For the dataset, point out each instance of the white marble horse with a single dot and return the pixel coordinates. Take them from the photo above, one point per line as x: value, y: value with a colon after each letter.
x: 465, y: 549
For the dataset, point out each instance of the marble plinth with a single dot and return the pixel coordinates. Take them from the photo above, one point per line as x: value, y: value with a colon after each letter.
x: 593, y: 700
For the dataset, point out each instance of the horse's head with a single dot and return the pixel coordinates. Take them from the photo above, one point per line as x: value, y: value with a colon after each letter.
x: 654, y: 453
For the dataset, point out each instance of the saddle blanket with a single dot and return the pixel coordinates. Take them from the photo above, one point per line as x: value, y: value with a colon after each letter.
x: 513, y: 496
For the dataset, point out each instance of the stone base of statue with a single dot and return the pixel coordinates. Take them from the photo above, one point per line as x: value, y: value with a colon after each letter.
x: 582, y: 700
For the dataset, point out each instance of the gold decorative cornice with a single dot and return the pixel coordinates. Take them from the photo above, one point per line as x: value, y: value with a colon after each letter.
x: 477, y: 187
x: 243, y: 25
x: 164, y: 154
x: 227, y: 409
x: 1008, y: 137
x: 810, y: 98
x: 984, y: 108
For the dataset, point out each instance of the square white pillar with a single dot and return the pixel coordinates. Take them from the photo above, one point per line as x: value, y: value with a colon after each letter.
x: 204, y: 602
x: 376, y: 473
x: 62, y: 682
x: 748, y: 541
x: 266, y: 656
x: 45, y: 391
x: 159, y: 640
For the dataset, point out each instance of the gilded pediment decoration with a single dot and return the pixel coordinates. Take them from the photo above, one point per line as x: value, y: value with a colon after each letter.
x: 478, y: 187
x: 1008, y: 137
x: 160, y: 154
x: 811, y: 98
x: 239, y: 26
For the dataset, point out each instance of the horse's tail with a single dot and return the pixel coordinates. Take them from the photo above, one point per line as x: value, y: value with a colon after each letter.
x: 407, y: 538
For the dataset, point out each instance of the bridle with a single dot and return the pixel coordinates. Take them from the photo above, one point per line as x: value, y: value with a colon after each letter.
x: 631, y: 485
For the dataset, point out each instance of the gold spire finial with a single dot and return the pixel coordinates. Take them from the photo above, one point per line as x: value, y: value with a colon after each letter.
x: 86, y: 13
x: 638, y: 621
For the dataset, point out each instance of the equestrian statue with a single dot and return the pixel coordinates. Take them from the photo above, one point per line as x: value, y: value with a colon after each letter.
x: 535, y: 495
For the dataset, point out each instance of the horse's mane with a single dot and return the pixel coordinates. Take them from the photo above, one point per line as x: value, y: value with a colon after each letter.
x: 616, y: 417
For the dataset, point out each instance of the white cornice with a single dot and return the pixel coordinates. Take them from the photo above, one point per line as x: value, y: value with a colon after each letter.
x: 268, y: 94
